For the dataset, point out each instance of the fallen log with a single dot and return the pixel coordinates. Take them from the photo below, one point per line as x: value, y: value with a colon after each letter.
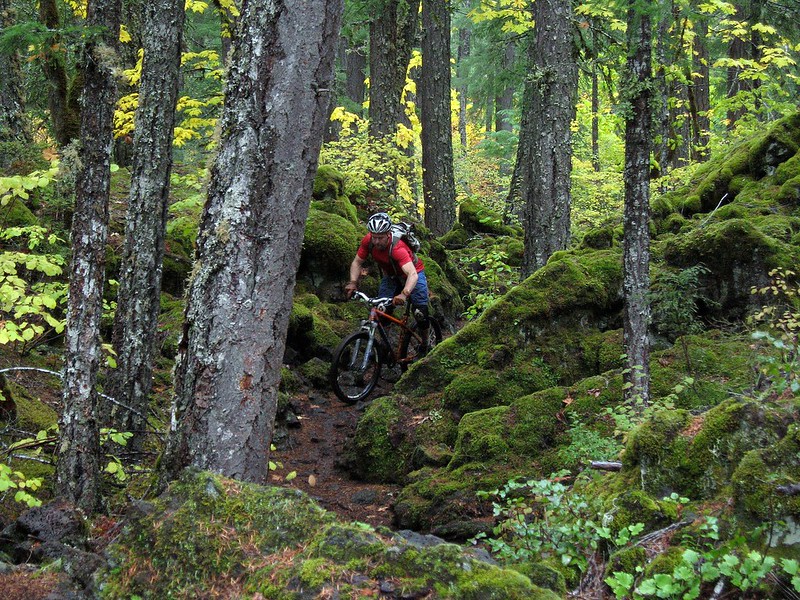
x: 605, y: 465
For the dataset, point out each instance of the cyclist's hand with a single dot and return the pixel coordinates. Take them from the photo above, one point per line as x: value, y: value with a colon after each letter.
x: 399, y: 300
x: 350, y: 289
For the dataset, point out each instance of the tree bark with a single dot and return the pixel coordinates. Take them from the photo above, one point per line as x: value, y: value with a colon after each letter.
x: 251, y: 232
x: 437, y: 134
x: 504, y: 103
x: 636, y: 240
x: 77, y: 472
x: 749, y: 12
x: 391, y: 35
x: 544, y: 156
x: 138, y: 302
x: 463, y: 85
x: 355, y: 75
x: 699, y: 92
x: 62, y: 97
x: 13, y: 126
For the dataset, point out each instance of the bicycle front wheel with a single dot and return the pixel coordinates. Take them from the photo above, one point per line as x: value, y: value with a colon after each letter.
x: 354, y: 374
x: 413, y: 349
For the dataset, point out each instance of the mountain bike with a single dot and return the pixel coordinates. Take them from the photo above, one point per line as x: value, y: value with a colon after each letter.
x: 358, y: 360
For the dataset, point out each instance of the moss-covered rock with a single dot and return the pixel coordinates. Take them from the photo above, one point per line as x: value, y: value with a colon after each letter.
x: 476, y: 217
x: 208, y: 533
x: 329, y: 245
x: 329, y: 194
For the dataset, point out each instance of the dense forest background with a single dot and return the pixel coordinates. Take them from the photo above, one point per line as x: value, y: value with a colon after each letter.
x: 607, y: 198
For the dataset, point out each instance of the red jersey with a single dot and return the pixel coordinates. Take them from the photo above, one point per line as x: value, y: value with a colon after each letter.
x: 401, y: 255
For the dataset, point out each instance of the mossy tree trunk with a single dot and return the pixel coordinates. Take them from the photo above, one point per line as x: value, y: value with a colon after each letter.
x: 12, y: 107
x: 251, y: 232
x: 138, y: 302
x: 437, y: 136
x: 544, y: 155
x: 636, y: 242
x: 78, y: 472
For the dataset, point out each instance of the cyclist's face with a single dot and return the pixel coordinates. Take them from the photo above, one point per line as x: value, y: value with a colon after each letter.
x: 381, y: 240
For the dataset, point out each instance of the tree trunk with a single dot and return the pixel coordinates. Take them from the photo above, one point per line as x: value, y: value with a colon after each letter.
x: 636, y: 241
x: 251, y: 232
x: 61, y: 98
x: 138, y: 302
x: 544, y: 155
x: 355, y: 75
x: 749, y: 12
x: 504, y: 103
x: 12, y: 107
x: 391, y: 35
x: 699, y: 92
x: 437, y: 134
x: 595, y: 117
x: 463, y: 85
x: 77, y: 473
x: 228, y: 25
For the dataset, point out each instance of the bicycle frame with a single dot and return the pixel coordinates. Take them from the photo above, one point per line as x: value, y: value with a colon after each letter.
x: 376, y: 321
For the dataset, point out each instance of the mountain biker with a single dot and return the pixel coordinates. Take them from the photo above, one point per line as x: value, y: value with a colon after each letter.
x: 403, y: 272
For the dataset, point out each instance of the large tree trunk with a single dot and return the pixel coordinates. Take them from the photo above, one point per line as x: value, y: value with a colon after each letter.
x: 61, y: 98
x: 463, y: 85
x: 77, y: 473
x: 636, y: 242
x: 699, y: 92
x: 138, y: 303
x: 12, y: 106
x: 749, y: 13
x: 437, y: 134
x: 504, y: 103
x: 251, y: 232
x: 544, y: 156
x: 391, y: 34
x: 355, y: 62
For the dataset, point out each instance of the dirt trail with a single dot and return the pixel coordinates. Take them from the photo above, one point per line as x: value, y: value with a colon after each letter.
x: 313, y: 446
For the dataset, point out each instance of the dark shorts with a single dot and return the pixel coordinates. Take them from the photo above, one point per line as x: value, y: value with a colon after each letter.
x: 391, y: 285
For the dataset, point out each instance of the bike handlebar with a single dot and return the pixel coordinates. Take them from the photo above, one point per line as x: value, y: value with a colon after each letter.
x: 379, y: 302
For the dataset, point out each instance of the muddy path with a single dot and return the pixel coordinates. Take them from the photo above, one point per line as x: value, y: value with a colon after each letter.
x: 312, y: 446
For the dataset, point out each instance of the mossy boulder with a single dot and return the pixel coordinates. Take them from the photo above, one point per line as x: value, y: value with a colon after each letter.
x: 329, y: 194
x: 696, y: 456
x: 477, y: 218
x: 329, y: 245
x: 16, y: 214
x: 208, y: 533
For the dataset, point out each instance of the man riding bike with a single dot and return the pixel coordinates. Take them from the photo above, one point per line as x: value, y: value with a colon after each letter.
x: 403, y: 272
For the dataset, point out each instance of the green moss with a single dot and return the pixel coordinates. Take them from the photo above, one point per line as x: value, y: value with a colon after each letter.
x: 600, y: 238
x: 381, y: 450
x: 32, y: 414
x: 203, y: 533
x: 626, y: 560
x: 329, y: 244
x: 471, y: 391
x: 544, y: 576
x: 16, y: 214
x: 482, y: 436
x: 457, y: 237
x: 483, y: 583
x: 476, y: 217
x: 665, y: 562
x: 329, y: 194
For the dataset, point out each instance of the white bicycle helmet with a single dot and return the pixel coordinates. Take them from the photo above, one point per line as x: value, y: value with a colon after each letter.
x: 379, y: 223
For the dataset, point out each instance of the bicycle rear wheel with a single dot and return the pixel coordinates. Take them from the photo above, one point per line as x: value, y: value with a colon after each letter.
x: 414, y: 349
x: 353, y: 374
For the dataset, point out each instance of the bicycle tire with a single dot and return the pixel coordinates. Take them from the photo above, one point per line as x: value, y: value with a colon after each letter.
x: 411, y: 343
x: 349, y: 382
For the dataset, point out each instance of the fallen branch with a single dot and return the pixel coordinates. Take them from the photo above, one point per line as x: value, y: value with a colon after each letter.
x: 792, y: 489
x: 605, y: 465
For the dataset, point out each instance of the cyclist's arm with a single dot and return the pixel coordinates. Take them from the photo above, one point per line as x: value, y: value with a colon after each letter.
x: 410, y: 271
x: 355, y: 269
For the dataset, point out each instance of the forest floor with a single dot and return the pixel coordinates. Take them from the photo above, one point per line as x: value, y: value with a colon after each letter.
x: 313, y: 449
